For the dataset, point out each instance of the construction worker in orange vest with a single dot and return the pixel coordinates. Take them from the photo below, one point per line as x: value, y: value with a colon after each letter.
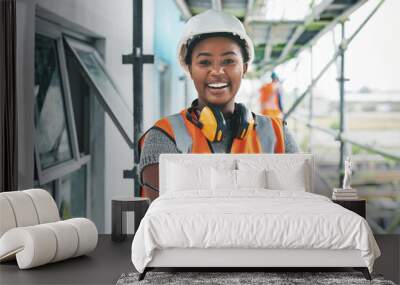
x: 215, y: 52
x: 270, y: 98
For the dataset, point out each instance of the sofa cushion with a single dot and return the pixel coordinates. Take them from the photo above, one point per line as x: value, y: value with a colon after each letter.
x: 23, y: 208
x: 45, y: 206
x: 7, y: 220
x: 26, y: 208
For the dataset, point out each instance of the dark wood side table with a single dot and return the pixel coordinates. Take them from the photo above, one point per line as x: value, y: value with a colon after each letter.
x: 358, y: 206
x: 121, y: 205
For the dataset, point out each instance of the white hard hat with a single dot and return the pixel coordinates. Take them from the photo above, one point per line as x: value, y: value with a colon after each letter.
x: 208, y: 22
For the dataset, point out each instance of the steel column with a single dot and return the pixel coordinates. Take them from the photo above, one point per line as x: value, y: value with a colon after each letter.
x: 216, y: 5
x: 137, y: 59
x: 342, y: 123
x: 310, y: 106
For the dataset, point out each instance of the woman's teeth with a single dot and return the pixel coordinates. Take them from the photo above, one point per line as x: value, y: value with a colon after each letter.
x: 217, y: 85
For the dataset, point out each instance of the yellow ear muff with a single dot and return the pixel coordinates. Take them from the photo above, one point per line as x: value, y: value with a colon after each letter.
x: 243, y: 121
x: 209, y: 123
x: 213, y: 123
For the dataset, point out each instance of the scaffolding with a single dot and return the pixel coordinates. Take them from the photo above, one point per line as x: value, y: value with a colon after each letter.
x: 340, y: 136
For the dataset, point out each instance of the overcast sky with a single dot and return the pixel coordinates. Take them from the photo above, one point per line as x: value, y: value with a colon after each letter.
x: 374, y: 55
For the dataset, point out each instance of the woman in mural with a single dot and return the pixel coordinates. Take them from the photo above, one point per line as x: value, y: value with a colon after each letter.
x: 215, y: 52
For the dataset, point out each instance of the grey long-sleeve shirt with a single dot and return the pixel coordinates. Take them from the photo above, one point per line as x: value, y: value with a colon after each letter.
x: 157, y: 142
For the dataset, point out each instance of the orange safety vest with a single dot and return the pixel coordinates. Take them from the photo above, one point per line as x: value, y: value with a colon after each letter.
x: 266, y: 137
x: 269, y: 100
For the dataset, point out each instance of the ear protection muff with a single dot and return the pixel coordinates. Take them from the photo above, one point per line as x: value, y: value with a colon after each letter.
x: 212, y: 123
x: 243, y: 121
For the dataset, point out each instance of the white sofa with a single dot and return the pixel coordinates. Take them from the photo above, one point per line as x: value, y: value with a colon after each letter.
x: 31, y: 231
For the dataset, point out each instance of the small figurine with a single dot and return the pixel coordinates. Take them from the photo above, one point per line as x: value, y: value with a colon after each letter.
x: 347, y: 173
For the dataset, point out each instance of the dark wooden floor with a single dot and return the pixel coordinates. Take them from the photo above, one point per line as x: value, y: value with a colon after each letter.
x: 110, y: 260
x: 389, y: 262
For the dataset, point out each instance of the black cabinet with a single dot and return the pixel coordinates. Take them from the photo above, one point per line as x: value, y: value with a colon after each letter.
x: 357, y: 206
x: 120, y: 206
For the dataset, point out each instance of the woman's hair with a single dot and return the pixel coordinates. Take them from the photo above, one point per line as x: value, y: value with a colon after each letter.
x: 197, y: 39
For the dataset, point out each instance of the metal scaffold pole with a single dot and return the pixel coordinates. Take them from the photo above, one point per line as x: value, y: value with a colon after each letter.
x: 137, y: 59
x: 310, y: 106
x: 342, y: 107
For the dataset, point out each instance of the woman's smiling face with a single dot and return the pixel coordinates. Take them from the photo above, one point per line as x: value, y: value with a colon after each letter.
x: 217, y: 69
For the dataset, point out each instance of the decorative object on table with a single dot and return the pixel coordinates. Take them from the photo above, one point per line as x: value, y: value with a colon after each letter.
x: 346, y: 192
x: 348, y: 165
x: 121, y: 205
x: 31, y: 231
x: 242, y: 278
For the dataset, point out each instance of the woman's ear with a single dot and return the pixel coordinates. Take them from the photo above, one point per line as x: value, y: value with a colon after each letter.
x: 245, y: 68
x: 190, y: 70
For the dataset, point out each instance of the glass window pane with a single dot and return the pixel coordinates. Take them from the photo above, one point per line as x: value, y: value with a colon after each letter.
x: 113, y: 102
x: 81, y: 91
x: 52, y: 136
x: 72, y: 194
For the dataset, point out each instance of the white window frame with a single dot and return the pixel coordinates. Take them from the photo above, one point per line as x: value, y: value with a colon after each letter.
x: 55, y: 172
x: 127, y: 131
x: 63, y: 168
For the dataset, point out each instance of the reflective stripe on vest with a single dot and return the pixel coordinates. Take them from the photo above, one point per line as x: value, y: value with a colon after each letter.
x: 183, y: 139
x: 264, y: 131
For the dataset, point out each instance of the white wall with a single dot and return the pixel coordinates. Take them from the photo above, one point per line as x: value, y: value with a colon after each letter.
x: 113, y: 21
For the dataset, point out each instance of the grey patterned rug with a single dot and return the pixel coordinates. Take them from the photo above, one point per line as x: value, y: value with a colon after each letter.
x: 273, y: 278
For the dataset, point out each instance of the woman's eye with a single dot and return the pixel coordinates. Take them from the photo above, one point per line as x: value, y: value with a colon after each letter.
x: 204, y: 62
x: 228, y: 61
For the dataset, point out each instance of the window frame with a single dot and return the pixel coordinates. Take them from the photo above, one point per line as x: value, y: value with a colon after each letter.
x: 58, y: 170
x: 85, y: 162
x: 72, y: 44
